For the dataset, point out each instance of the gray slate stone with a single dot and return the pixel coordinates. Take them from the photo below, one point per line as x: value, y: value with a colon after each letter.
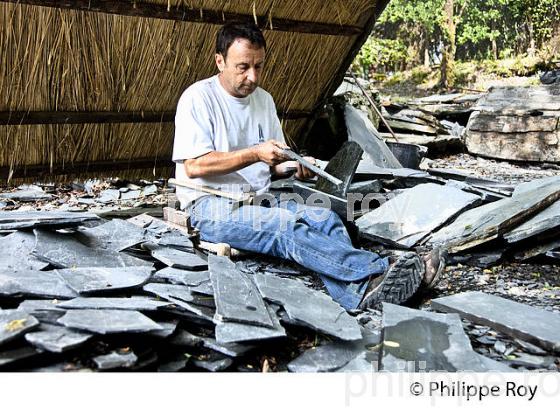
x: 534, y: 325
x: 184, y: 277
x: 15, y: 323
x: 46, y: 311
x: 492, y: 365
x: 332, y: 356
x: 309, y: 307
x: 546, y: 220
x: 115, y: 360
x: 15, y: 252
x: 410, y: 217
x: 175, y: 239
x: 45, y: 284
x: 415, y: 340
x: 98, y: 280
x: 130, y: 195
x: 493, y: 220
x: 108, y: 196
x: 365, y: 362
x: 115, y: 235
x: 12, y: 356
x: 236, y: 296
x: 65, y: 251
x: 175, y: 258
x: 184, y: 338
x: 109, y: 321
x: 27, y: 195
x: 150, y: 190
x: 362, y: 131
x: 215, y: 363
x: 232, y: 332
x: 342, y: 166
x: 178, y: 294
x: 56, y: 339
x: 33, y: 219
x: 141, y: 303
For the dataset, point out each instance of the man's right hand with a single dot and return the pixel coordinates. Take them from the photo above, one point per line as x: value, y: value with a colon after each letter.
x: 270, y: 152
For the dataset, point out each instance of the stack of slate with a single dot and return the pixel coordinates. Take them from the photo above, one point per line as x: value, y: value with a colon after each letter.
x: 81, y: 293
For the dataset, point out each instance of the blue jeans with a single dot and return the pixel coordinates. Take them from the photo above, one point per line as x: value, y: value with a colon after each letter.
x: 313, y: 237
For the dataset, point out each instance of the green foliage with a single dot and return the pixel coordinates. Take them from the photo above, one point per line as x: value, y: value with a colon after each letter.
x: 380, y: 52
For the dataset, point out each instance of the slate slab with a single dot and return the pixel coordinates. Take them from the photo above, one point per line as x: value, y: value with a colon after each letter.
x: 27, y: 195
x: 493, y: 220
x: 236, y: 296
x: 33, y: 219
x: 410, y: 217
x: 115, y: 235
x: 108, y: 321
x: 15, y: 252
x: 418, y: 341
x: 213, y: 363
x: 492, y: 365
x: 175, y: 239
x: 184, y: 277
x: 115, y: 360
x: 546, y: 220
x: 309, y: 307
x: 15, y: 323
x: 184, y: 338
x: 56, y: 339
x: 10, y: 357
x: 178, y: 294
x: 108, y: 196
x: 141, y: 303
x: 332, y: 356
x: 98, y: 280
x: 342, y: 166
x: 45, y: 284
x: 528, y: 323
x: 65, y: 251
x: 232, y: 332
x: 362, y: 131
x: 365, y: 362
x: 175, y: 258
x: 46, y: 311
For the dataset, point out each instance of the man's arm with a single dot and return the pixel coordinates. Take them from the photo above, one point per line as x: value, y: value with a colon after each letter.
x: 221, y: 163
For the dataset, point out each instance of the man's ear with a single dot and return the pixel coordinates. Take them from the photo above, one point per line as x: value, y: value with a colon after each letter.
x: 220, y: 62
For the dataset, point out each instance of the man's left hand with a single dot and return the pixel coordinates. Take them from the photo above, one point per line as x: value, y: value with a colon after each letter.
x: 303, y: 173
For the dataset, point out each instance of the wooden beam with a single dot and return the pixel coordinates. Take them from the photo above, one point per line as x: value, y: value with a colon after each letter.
x: 105, y: 117
x: 36, y: 171
x: 182, y: 13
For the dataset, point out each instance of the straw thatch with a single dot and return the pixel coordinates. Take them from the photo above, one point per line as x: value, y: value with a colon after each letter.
x: 67, y: 60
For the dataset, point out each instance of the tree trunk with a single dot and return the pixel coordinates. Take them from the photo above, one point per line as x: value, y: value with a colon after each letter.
x: 449, y: 47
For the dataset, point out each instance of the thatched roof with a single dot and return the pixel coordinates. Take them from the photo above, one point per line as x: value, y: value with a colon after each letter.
x: 91, y: 86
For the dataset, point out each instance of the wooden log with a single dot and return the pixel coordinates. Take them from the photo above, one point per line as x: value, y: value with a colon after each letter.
x: 510, y: 124
x: 106, y: 117
x: 182, y: 13
x: 528, y: 146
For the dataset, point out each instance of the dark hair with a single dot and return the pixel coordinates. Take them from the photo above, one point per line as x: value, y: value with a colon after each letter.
x: 232, y: 31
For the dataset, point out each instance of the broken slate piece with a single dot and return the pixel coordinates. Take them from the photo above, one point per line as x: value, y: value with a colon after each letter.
x: 175, y: 239
x: 342, y: 166
x: 109, y: 195
x: 365, y: 362
x: 141, y: 303
x: 215, y: 362
x: 109, y: 321
x: 15, y: 252
x: 175, y: 258
x: 168, y: 328
x: 410, y: 217
x: 56, y: 339
x: 309, y: 307
x: 115, y: 235
x: 15, y: 323
x: 183, y: 277
x: 332, y: 356
x: 493, y: 220
x: 150, y: 190
x: 98, y: 280
x: 534, y: 325
x: 236, y: 296
x: 420, y: 341
x: 27, y: 195
x: 33, y: 219
x: 232, y: 332
x: 34, y: 283
x: 492, y: 365
x: 184, y: 338
x: 178, y: 294
x: 115, y: 360
x: 65, y: 251
x: 10, y: 357
x: 46, y: 311
x: 546, y: 220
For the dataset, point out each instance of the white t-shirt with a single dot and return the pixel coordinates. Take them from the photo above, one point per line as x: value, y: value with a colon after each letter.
x: 209, y: 119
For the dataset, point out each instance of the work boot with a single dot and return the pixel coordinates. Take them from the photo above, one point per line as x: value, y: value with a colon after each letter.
x: 397, y: 284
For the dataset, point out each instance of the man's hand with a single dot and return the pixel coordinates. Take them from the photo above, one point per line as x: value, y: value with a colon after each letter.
x: 303, y: 173
x: 270, y: 152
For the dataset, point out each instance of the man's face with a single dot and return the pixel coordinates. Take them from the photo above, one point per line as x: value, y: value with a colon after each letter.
x: 240, y: 72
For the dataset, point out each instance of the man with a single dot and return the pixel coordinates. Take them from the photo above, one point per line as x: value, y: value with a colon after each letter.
x: 228, y: 137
